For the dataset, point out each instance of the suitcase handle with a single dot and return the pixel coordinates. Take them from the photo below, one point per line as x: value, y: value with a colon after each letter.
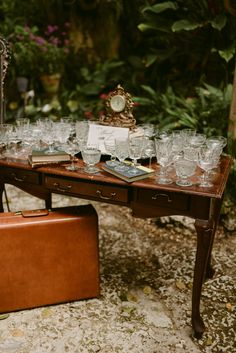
x: 33, y: 213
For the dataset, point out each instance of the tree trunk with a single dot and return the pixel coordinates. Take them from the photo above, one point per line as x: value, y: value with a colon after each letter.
x: 232, y: 117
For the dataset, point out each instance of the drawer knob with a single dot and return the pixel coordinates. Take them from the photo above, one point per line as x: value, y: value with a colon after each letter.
x: 101, y: 196
x: 18, y: 179
x: 158, y: 195
x: 62, y: 188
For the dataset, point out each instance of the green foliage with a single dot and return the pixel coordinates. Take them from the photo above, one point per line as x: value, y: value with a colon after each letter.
x: 189, y: 42
x: 207, y: 111
x: 86, y: 99
x: 34, y: 53
x: 23, y: 50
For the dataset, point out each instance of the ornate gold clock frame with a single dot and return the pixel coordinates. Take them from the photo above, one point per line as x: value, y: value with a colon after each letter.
x: 118, y: 109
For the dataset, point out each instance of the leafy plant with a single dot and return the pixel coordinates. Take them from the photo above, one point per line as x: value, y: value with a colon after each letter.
x: 188, y: 42
x: 84, y: 101
x: 23, y: 50
x: 35, y: 53
x: 207, y: 111
x: 87, y: 98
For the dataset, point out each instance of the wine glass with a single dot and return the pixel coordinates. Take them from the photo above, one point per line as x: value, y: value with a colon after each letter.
x: 91, y: 156
x: 49, y: 135
x: 33, y: 137
x: 197, y: 140
x: 177, y: 142
x: 187, y: 134
x: 148, y: 129
x: 216, y: 141
x: 191, y: 153
x: 149, y: 150
x: 184, y: 168
x: 82, y: 129
x: 136, y: 144
x: 164, y: 158
x: 5, y: 133
x: 72, y: 147
x: 110, y: 147
x: 14, y: 140
x: 122, y: 152
x: 207, y: 161
x: 63, y: 133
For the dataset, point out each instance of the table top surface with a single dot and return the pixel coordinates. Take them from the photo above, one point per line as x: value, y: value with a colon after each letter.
x: 219, y: 179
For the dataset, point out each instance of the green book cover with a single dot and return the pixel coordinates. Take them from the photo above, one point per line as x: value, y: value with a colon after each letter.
x: 131, y: 173
x: 44, y: 155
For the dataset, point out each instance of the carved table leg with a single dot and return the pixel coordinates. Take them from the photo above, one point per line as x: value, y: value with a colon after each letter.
x: 205, y: 235
x: 216, y: 216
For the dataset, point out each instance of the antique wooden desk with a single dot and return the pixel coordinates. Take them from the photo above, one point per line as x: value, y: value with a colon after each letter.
x: 146, y: 199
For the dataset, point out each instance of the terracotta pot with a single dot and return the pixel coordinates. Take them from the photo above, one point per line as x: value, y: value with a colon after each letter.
x: 50, y: 83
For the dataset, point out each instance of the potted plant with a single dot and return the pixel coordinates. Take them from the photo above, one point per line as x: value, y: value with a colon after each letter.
x: 39, y: 54
x: 23, y: 51
x: 53, y: 49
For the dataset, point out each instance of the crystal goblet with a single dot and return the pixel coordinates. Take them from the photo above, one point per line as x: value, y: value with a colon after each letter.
x: 164, y: 158
x: 184, y: 169
x: 122, y: 152
x: 136, y: 145
x: 149, y: 150
x: 72, y: 147
x: 91, y: 156
x: 110, y: 147
x: 207, y: 162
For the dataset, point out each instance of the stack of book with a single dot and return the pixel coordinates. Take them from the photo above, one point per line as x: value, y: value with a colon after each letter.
x: 41, y: 157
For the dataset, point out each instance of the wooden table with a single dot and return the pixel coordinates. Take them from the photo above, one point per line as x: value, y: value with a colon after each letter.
x: 146, y: 198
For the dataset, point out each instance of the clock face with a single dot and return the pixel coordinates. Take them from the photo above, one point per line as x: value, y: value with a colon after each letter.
x: 117, y: 103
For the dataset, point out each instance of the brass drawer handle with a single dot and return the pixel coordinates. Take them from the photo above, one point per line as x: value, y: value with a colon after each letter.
x: 100, y: 195
x: 155, y: 197
x: 62, y: 188
x: 18, y: 179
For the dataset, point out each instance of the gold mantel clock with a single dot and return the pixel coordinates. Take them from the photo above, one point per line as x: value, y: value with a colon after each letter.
x: 118, y: 109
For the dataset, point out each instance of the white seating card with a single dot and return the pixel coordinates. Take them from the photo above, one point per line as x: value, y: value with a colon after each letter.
x: 97, y: 133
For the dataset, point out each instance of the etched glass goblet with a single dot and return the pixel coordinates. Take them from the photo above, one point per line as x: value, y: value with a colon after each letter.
x: 110, y: 147
x: 206, y: 162
x: 72, y: 147
x: 164, y: 158
x: 122, y: 152
x: 5, y: 133
x: 91, y: 156
x: 63, y: 134
x: 14, y: 140
x: 49, y: 136
x: 136, y: 145
x: 149, y: 150
x: 216, y: 141
x: 184, y: 169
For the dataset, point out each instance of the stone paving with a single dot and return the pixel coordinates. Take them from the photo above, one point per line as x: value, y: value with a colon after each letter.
x: 145, y: 305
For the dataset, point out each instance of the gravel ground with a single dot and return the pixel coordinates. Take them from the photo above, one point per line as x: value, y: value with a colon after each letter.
x: 145, y: 304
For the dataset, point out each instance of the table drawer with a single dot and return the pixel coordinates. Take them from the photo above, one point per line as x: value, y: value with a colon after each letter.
x: 164, y: 199
x: 84, y: 189
x: 19, y: 175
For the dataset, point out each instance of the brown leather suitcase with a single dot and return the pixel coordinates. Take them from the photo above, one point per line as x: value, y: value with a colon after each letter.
x: 48, y: 257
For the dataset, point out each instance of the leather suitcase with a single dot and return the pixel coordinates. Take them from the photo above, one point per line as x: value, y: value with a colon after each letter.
x: 48, y: 257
